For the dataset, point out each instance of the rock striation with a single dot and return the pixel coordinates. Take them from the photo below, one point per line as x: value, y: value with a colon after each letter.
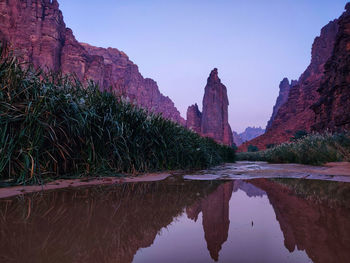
x: 214, y: 118
x: 296, y: 113
x: 332, y: 110
x: 36, y: 30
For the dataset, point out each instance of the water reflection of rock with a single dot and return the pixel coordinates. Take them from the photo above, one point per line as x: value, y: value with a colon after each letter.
x: 101, y: 224
x: 215, y: 212
x: 321, y: 229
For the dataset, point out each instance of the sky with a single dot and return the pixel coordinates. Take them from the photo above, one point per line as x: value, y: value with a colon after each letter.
x: 254, y: 44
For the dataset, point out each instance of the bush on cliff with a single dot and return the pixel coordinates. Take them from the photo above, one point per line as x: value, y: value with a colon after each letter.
x: 310, y: 149
x: 51, y: 126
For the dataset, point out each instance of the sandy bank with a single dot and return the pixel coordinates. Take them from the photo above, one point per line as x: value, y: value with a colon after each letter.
x: 59, y: 184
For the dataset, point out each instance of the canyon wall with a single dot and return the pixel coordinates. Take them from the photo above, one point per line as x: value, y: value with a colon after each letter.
x: 214, y: 118
x: 282, y: 98
x: 333, y: 107
x: 296, y: 113
x: 36, y: 31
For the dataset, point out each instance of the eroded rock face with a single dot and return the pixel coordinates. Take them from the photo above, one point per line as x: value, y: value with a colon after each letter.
x: 333, y: 107
x: 215, y: 111
x: 35, y: 29
x: 282, y: 98
x: 194, y: 118
x: 296, y: 113
x: 213, y: 121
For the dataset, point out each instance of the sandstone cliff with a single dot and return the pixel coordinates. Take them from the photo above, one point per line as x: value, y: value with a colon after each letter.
x: 295, y: 114
x: 214, y: 119
x: 333, y: 108
x: 282, y: 98
x: 194, y: 118
x: 35, y: 29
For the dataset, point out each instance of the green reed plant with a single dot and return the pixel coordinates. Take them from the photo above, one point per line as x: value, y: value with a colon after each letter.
x: 52, y: 126
x: 312, y: 149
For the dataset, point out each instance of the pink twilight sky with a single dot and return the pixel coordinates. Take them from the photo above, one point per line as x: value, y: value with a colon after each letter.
x: 254, y: 44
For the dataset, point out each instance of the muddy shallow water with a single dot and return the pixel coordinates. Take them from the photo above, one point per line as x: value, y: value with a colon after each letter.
x: 181, y: 220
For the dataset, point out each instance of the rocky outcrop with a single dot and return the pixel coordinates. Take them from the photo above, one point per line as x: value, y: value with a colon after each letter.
x: 194, y: 118
x: 237, y: 140
x: 214, y: 118
x: 251, y: 133
x: 296, y: 113
x: 248, y: 134
x: 282, y: 98
x: 36, y: 31
x: 332, y: 111
x: 215, y: 111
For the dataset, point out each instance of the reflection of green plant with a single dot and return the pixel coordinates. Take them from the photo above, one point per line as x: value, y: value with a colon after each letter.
x: 52, y: 126
x: 311, y: 149
x: 253, y: 148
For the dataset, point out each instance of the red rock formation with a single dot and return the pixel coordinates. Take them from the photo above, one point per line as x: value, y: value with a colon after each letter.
x: 295, y: 114
x: 36, y: 31
x: 216, y: 222
x: 194, y: 118
x: 214, y: 119
x: 333, y: 108
x: 215, y: 111
x: 281, y: 99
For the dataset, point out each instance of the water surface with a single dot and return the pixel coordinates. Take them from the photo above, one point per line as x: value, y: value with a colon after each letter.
x: 179, y: 220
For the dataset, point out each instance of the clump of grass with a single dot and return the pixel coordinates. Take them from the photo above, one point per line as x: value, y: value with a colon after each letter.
x: 312, y: 149
x: 52, y: 126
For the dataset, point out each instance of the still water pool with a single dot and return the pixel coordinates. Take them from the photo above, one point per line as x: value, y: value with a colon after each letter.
x: 181, y: 220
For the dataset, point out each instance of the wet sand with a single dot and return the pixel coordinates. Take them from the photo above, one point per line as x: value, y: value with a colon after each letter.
x: 67, y: 183
x: 251, y: 170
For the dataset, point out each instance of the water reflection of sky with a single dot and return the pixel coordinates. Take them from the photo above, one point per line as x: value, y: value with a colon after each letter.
x: 254, y: 234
